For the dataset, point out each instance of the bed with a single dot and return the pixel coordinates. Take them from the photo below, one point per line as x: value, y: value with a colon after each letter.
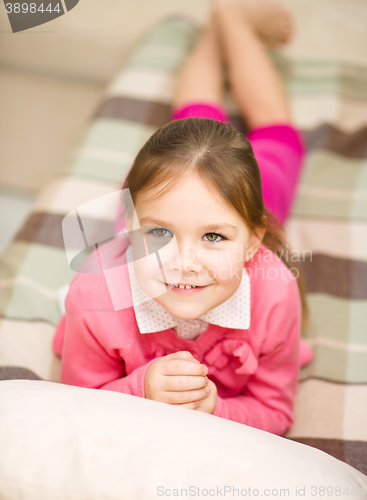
x: 328, y: 227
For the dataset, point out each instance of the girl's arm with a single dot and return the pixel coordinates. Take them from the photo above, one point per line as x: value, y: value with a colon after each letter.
x: 267, y: 400
x: 86, y: 363
x: 86, y: 359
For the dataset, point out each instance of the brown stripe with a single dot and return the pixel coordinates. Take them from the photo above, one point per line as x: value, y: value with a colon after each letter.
x: 16, y: 372
x: 155, y: 114
x: 342, y: 278
x: 46, y: 229
x: 353, y: 453
x: 327, y: 137
x: 42, y: 228
x: 150, y: 113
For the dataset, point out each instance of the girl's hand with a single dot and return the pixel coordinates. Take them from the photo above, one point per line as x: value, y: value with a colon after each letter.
x: 177, y: 379
x: 208, y: 403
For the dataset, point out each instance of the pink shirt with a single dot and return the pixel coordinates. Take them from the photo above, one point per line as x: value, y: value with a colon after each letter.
x: 255, y: 370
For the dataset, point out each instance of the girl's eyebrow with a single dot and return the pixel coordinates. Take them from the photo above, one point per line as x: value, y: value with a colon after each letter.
x: 213, y: 227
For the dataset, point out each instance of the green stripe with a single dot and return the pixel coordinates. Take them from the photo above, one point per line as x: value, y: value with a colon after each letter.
x: 336, y: 366
x: 29, y: 304
x: 310, y: 77
x: 356, y: 369
x: 10, y: 261
x: 344, y: 86
x: 119, y: 136
x: 328, y: 364
x: 288, y: 64
x: 329, y: 170
x: 112, y: 136
x: 338, y: 320
x: 334, y: 318
x: 313, y: 206
x: 47, y: 266
x: 326, y: 170
x: 178, y: 35
x: 158, y: 61
x: 11, y: 258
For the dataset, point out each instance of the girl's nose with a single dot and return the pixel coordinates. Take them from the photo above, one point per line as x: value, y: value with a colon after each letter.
x: 186, y: 260
x: 189, y: 259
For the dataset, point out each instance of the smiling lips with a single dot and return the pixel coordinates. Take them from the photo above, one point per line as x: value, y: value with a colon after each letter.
x: 185, y: 289
x: 183, y: 286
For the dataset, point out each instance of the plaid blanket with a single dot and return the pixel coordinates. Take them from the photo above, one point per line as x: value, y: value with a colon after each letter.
x: 328, y: 226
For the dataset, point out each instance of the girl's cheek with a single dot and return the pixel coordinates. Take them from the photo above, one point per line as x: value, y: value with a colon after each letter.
x: 229, y: 273
x: 149, y: 276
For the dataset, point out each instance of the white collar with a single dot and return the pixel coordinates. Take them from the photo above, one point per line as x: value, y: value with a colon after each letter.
x: 152, y: 317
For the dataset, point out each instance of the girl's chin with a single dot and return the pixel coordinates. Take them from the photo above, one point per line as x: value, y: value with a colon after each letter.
x: 184, y: 313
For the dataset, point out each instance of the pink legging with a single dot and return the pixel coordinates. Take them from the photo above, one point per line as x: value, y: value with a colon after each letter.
x: 278, y: 149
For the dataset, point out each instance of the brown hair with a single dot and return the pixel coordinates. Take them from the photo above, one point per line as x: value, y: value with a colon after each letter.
x: 223, y: 158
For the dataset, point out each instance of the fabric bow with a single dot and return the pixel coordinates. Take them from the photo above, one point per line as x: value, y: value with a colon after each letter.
x: 219, y: 356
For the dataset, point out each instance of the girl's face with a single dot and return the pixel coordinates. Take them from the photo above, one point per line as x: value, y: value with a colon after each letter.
x: 209, y: 244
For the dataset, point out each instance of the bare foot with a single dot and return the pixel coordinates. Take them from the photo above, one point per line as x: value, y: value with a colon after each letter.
x: 272, y: 22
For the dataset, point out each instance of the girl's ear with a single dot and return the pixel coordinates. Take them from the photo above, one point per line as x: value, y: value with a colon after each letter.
x: 254, y: 243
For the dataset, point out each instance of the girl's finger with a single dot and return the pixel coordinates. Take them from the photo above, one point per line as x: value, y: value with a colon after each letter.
x: 183, y: 367
x: 189, y: 406
x: 184, y: 383
x: 185, y: 396
x: 182, y: 355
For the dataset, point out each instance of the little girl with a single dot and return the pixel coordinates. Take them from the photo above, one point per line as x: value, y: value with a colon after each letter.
x: 223, y: 336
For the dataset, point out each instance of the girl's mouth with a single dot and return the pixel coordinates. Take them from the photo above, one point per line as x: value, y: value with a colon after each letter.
x: 185, y: 289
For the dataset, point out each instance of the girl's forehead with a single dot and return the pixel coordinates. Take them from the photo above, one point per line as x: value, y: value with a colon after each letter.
x: 189, y: 186
x: 189, y: 204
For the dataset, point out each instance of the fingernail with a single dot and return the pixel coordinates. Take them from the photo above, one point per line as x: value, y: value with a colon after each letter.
x: 205, y: 370
x: 207, y: 388
x: 197, y: 404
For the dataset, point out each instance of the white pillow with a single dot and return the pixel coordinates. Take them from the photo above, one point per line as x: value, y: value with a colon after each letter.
x: 65, y: 442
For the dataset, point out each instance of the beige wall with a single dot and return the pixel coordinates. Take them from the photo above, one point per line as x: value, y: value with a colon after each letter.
x: 52, y: 77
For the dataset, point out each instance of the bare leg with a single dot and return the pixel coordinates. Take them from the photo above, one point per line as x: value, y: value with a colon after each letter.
x: 201, y: 78
x: 255, y: 83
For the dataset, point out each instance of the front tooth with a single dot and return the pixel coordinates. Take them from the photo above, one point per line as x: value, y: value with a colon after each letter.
x: 188, y: 286
x: 181, y: 286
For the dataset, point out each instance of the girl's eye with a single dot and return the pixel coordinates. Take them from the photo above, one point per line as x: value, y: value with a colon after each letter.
x: 213, y: 237
x: 160, y: 231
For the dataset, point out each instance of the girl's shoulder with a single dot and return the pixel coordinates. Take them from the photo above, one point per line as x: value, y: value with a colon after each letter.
x: 93, y: 286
